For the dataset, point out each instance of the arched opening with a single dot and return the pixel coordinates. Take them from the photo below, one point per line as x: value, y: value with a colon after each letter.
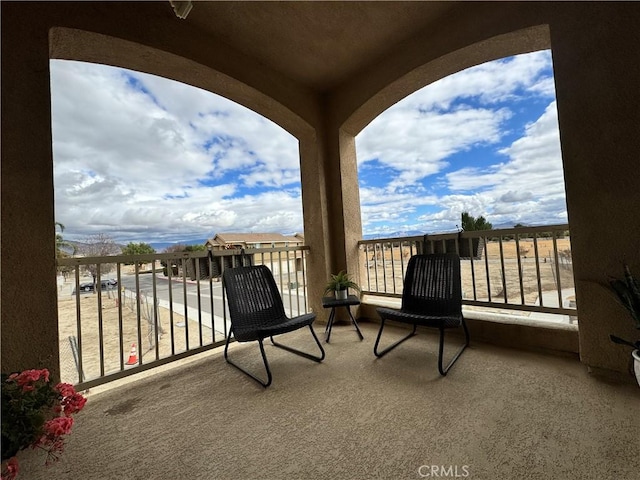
x: 483, y: 142
x: 145, y: 159
x: 450, y: 125
x: 81, y: 45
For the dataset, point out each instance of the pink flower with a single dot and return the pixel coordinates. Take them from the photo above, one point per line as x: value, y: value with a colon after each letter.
x: 33, y: 376
x: 58, y: 426
x: 12, y: 466
x: 28, y: 377
x: 31, y: 390
x: 65, y: 389
x: 11, y: 470
x: 73, y: 404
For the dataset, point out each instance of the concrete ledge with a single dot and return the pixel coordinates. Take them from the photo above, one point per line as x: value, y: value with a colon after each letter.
x: 504, y: 330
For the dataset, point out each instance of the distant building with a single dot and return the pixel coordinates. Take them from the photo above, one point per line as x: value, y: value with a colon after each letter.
x: 223, y: 241
x: 287, y: 263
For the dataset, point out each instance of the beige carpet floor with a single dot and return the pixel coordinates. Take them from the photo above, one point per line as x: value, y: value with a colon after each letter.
x: 499, y: 414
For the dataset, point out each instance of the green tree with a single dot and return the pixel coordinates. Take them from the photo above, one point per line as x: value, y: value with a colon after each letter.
x: 138, y: 249
x: 470, y: 223
x: 520, y: 236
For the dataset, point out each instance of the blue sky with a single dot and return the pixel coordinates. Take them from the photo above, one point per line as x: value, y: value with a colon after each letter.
x: 143, y: 158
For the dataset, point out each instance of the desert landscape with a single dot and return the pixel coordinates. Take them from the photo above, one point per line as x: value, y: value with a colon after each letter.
x: 110, y: 322
x: 380, y: 275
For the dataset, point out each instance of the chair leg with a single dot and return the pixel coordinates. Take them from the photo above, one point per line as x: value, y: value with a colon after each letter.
x: 264, y: 359
x: 301, y: 353
x: 391, y: 347
x: 444, y: 371
x: 355, y: 324
x: 327, y: 330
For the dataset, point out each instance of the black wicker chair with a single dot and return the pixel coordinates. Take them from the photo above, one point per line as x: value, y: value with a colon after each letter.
x: 256, y: 312
x: 432, y: 297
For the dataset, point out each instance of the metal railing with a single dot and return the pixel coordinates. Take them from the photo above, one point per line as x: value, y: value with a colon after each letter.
x: 120, y: 315
x: 527, y: 269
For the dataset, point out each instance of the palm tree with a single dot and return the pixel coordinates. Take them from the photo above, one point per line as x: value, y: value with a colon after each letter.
x: 61, y: 242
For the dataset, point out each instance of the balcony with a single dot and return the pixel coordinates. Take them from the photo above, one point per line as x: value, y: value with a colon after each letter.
x: 154, y: 309
x: 180, y: 411
x: 315, y: 82
x: 525, y: 272
x: 499, y: 414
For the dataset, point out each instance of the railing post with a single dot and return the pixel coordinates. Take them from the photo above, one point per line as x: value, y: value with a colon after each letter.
x: 502, y: 257
x: 101, y: 351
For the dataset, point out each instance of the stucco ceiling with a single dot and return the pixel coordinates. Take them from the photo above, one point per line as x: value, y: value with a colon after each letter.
x: 325, y: 42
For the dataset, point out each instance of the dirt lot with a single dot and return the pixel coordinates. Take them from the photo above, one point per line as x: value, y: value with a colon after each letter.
x: 488, y: 275
x: 109, y: 326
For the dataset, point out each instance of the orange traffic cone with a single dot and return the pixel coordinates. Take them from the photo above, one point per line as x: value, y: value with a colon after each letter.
x: 133, y: 355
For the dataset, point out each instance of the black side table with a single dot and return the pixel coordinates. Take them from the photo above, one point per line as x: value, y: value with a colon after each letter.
x: 333, y: 303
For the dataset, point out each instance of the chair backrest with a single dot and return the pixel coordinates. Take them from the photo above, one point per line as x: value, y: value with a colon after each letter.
x: 252, y: 296
x: 432, y: 283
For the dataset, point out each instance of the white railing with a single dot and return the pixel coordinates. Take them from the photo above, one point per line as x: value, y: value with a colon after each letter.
x: 120, y: 315
x: 527, y: 269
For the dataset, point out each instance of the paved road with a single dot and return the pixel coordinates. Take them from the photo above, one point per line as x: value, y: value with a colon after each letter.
x: 210, y: 296
x: 178, y: 289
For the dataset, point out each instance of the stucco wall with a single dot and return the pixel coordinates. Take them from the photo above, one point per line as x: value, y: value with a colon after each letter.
x: 595, y: 47
x: 595, y: 51
x: 29, y: 302
x: 597, y: 70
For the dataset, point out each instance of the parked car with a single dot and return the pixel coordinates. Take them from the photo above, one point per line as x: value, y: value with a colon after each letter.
x: 108, y: 284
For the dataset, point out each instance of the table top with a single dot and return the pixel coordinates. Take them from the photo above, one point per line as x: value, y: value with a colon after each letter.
x: 330, y: 302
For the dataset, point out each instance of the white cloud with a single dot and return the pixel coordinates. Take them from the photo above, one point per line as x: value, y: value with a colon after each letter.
x: 529, y: 186
x: 148, y: 159
x: 545, y: 87
x: 138, y: 156
x: 452, y: 206
x: 533, y: 159
x: 417, y: 144
x: 380, y: 205
x: 416, y: 136
x: 489, y: 83
x: 474, y: 109
x: 513, y: 196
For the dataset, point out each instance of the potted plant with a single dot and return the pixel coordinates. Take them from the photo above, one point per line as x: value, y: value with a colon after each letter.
x: 628, y: 294
x: 340, y: 284
x: 36, y: 414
